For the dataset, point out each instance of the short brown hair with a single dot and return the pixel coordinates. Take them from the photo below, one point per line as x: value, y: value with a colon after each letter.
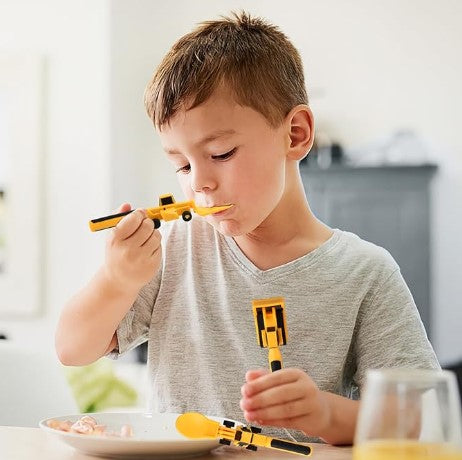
x: 253, y: 58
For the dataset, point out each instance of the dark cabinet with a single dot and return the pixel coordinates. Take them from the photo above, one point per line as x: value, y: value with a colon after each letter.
x: 389, y: 206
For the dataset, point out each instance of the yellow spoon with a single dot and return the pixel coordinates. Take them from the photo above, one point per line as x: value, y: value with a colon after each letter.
x: 195, y: 425
x: 207, y: 211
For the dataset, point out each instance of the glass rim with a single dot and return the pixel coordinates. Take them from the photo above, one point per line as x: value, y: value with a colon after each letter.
x: 409, y: 374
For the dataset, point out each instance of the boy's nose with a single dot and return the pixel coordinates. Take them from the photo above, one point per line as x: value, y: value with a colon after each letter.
x: 202, y: 181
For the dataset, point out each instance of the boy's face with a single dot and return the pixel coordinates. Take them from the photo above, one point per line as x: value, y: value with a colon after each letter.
x: 225, y: 153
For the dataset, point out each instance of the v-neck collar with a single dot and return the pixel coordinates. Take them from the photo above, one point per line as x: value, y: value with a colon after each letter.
x: 286, y: 269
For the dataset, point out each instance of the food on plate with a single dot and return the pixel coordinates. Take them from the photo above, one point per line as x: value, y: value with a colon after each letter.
x: 89, y: 426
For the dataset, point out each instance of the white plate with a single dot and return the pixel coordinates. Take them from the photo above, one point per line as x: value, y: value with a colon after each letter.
x: 153, y: 436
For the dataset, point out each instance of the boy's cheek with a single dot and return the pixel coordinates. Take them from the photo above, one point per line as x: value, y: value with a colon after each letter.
x: 185, y: 187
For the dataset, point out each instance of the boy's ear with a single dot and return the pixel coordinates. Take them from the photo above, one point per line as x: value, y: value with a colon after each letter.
x: 300, y: 123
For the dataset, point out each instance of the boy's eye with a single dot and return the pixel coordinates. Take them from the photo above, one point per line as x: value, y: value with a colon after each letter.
x: 224, y: 156
x: 184, y: 169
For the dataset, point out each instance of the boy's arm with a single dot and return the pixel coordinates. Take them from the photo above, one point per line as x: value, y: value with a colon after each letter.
x: 343, y: 417
x: 86, y: 328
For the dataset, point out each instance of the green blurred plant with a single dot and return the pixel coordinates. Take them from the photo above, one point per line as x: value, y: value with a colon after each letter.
x: 96, y: 387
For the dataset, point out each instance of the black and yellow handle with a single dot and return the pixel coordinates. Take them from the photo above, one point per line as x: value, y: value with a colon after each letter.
x: 288, y: 446
x: 101, y: 223
x: 274, y: 359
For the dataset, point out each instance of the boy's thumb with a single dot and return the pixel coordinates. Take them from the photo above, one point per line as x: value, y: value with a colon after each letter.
x: 124, y: 207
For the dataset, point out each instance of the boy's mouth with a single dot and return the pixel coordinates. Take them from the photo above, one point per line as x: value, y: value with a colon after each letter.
x: 220, y: 212
x: 226, y: 206
x: 208, y: 206
x: 211, y: 210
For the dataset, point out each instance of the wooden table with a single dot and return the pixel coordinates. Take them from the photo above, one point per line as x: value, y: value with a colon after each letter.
x: 33, y: 443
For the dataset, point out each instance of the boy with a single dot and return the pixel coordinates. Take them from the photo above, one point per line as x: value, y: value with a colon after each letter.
x: 230, y: 106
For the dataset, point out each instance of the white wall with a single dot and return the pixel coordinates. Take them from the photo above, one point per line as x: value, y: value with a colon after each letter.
x: 72, y: 37
x: 372, y: 67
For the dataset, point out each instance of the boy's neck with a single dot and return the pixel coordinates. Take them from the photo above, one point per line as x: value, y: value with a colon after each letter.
x: 289, y: 233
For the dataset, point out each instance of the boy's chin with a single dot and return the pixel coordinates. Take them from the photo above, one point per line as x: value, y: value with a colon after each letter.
x: 228, y: 228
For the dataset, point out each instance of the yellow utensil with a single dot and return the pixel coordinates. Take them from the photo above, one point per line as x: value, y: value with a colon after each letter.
x: 195, y: 425
x: 207, y: 211
x: 271, y: 328
x: 168, y: 209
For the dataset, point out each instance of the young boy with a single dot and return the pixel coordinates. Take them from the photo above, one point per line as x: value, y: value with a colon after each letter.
x: 230, y: 106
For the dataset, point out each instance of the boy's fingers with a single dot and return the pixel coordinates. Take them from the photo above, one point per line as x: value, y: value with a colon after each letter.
x: 290, y: 409
x: 143, y: 233
x: 283, y: 394
x: 152, y: 244
x: 270, y: 380
x: 253, y: 374
x: 250, y: 376
x: 129, y: 224
x: 156, y: 251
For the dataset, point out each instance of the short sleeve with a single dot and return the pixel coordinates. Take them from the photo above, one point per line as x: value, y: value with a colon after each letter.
x: 389, y: 331
x: 133, y: 330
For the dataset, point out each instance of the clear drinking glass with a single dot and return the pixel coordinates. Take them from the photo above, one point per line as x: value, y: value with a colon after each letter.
x: 409, y: 414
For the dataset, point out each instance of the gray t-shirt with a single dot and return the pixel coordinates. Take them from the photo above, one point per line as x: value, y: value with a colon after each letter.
x: 347, y: 308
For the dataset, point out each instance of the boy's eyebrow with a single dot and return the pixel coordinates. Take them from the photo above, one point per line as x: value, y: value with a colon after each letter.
x: 209, y: 138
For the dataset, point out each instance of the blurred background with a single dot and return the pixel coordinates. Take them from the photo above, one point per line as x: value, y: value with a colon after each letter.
x: 384, y: 82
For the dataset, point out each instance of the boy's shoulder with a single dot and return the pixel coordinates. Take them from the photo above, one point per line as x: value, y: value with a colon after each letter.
x: 354, y: 251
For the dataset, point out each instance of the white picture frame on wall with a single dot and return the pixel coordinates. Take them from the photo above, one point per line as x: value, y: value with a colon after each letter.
x: 21, y: 197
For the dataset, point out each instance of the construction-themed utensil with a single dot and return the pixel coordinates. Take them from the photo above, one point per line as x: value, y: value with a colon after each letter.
x: 196, y: 425
x: 168, y: 209
x: 271, y: 328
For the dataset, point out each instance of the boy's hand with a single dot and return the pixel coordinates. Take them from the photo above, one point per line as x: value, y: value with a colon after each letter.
x: 133, y: 251
x: 286, y: 398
